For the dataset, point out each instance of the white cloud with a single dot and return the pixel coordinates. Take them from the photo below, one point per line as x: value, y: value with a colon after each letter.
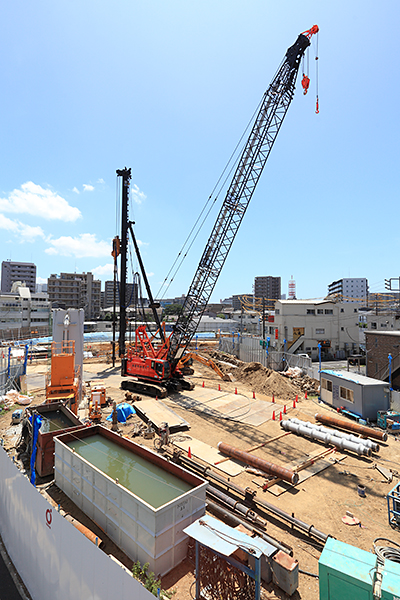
x: 40, y: 280
x: 30, y: 233
x: 75, y: 189
x: 104, y: 270
x: 87, y: 187
x: 26, y: 233
x: 34, y: 200
x: 83, y: 246
x: 137, y: 195
x: 101, y: 180
x: 8, y: 224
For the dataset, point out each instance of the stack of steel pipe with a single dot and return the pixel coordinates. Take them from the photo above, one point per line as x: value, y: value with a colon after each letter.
x: 259, y: 463
x: 347, y: 436
x: 350, y: 426
x: 262, y: 505
x: 327, y: 438
x: 226, y: 513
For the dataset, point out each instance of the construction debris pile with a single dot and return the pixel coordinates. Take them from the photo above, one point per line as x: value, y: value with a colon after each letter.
x: 284, y: 385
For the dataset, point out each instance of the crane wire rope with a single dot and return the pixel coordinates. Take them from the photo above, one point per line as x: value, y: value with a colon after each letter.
x: 210, y: 203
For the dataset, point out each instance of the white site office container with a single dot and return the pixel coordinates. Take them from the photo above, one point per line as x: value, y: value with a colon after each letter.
x: 144, y: 533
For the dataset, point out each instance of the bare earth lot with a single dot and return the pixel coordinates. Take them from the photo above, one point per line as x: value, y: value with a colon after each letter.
x: 321, y: 500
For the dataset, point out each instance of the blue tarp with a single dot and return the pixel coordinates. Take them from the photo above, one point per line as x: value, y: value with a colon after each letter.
x: 124, y: 410
x: 36, y: 423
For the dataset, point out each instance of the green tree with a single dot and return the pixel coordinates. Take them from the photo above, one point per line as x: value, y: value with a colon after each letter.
x: 172, y: 309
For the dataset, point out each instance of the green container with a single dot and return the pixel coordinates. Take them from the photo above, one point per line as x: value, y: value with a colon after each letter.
x: 348, y: 573
x: 345, y: 572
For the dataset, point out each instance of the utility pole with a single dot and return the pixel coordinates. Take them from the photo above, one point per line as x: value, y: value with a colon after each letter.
x: 263, y: 318
x: 126, y: 178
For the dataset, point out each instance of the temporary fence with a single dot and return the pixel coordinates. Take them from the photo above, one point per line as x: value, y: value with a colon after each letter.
x: 11, y: 368
x: 68, y: 565
x: 255, y: 349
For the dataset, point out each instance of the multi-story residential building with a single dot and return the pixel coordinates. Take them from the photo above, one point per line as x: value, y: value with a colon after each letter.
x: 131, y: 294
x: 268, y: 287
x: 75, y: 290
x: 237, y: 300
x: 300, y: 325
x: 354, y: 289
x: 17, y: 271
x: 24, y: 315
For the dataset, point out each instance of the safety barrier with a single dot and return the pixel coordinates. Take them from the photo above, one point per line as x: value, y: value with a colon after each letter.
x: 54, y: 559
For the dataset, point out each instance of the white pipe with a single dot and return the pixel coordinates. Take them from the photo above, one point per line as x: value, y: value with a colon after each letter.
x: 347, y: 436
x: 315, y: 434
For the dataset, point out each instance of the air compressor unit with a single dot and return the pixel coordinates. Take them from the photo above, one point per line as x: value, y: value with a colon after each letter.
x: 349, y: 573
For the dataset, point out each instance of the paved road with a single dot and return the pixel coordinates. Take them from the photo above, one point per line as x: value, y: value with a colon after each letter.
x: 338, y: 365
x: 8, y: 590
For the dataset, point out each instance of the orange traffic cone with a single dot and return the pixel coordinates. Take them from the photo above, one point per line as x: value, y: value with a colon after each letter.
x: 294, y: 403
x: 254, y: 395
x: 203, y: 384
x: 219, y: 387
x: 235, y: 390
x: 284, y: 409
x: 305, y: 395
x: 297, y: 398
x: 273, y: 398
x: 273, y: 415
x: 189, y: 453
x: 280, y: 416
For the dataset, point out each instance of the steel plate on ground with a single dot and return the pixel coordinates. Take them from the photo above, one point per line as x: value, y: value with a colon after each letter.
x: 210, y: 455
x: 156, y: 412
x: 233, y: 406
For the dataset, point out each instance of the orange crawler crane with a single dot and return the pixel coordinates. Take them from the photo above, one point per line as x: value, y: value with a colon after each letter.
x: 62, y: 381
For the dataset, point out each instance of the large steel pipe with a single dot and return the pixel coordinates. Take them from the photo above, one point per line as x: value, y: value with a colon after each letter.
x: 350, y: 426
x: 264, y: 506
x: 326, y: 438
x: 226, y: 513
x: 259, y: 463
x: 347, y: 436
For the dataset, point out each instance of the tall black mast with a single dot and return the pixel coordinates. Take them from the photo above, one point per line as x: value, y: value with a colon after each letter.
x: 126, y: 178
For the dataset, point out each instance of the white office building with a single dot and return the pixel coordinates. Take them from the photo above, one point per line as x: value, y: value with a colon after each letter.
x: 351, y: 289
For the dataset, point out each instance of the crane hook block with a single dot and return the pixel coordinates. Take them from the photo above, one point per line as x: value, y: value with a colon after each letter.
x: 305, y: 82
x: 317, y: 107
x: 310, y: 32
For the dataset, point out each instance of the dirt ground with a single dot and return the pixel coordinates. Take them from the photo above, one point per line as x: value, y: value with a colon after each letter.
x: 321, y: 500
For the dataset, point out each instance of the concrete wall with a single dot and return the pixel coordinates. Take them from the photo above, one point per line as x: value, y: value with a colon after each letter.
x: 54, y: 560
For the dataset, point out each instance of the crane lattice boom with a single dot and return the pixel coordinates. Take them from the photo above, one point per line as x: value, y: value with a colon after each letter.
x: 274, y: 106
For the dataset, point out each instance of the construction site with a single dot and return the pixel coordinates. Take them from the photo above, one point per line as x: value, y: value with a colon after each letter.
x: 174, y: 469
x: 295, y: 494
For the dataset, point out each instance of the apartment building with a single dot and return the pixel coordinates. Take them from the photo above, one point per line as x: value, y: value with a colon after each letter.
x: 268, y: 287
x: 75, y: 290
x: 23, y: 314
x: 131, y: 295
x: 300, y: 325
x: 17, y: 271
x: 351, y: 289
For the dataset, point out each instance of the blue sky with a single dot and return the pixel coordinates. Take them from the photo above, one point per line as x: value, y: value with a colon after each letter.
x: 166, y: 87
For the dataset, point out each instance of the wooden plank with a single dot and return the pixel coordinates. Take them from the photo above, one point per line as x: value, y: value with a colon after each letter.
x: 304, y: 474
